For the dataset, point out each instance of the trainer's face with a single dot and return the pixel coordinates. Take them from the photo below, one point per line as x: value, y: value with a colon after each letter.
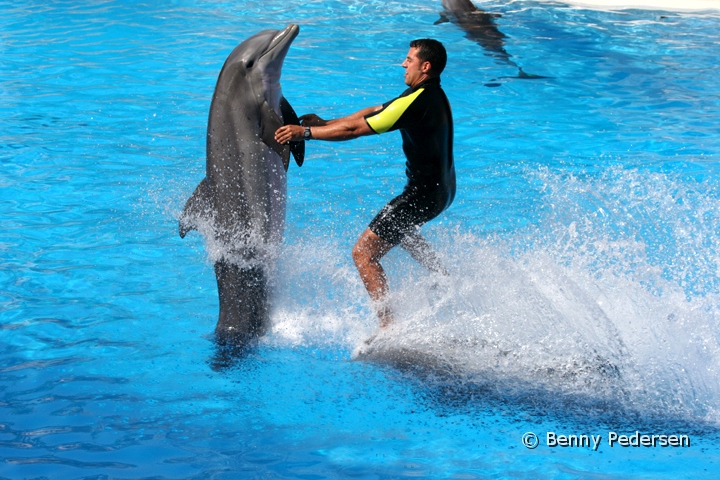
x: 416, y: 71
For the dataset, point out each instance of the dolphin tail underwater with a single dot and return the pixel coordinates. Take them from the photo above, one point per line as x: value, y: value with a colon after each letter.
x: 239, y: 206
x: 480, y: 27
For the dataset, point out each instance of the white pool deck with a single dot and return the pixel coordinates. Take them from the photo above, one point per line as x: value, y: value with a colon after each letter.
x: 662, y: 5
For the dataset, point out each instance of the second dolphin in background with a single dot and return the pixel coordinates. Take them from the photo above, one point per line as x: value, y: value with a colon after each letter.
x: 480, y: 27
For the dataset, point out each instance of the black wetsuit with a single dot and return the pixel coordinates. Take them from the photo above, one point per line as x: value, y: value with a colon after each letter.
x: 423, y: 116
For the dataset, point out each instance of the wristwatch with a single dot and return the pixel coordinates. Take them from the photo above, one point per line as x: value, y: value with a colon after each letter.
x: 308, y: 134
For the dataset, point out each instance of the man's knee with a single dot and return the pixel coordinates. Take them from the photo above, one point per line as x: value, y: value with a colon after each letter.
x: 359, y: 254
x: 369, y: 248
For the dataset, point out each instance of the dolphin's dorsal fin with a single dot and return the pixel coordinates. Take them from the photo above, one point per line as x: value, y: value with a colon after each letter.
x: 199, y: 204
x: 291, y: 118
x: 269, y: 123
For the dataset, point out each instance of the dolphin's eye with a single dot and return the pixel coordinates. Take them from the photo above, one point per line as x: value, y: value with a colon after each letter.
x: 250, y: 64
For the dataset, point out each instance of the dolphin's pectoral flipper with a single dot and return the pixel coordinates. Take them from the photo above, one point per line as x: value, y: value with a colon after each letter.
x: 270, y: 122
x: 443, y: 19
x: 199, y: 204
x: 290, y: 117
x: 529, y: 76
x: 525, y: 76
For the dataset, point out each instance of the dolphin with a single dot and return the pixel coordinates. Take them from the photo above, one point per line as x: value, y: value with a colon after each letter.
x: 239, y: 206
x: 480, y: 27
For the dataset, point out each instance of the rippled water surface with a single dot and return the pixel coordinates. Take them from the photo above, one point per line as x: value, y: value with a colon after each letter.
x: 582, y: 247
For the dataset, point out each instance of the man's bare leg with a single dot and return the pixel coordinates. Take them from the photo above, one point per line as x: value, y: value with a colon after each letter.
x: 421, y: 251
x: 367, y: 253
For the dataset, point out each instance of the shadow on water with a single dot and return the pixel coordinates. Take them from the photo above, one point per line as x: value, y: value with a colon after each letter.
x: 595, y: 389
x: 446, y: 391
x: 480, y: 27
x: 229, y: 355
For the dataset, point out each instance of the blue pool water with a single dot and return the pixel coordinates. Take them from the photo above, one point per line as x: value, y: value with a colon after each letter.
x: 583, y: 248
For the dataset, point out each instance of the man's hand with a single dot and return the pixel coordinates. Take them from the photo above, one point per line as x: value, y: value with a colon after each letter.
x: 312, y: 120
x: 294, y: 133
x: 289, y: 133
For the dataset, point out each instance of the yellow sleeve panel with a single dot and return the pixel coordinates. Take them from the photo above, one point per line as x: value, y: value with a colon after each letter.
x: 383, y: 121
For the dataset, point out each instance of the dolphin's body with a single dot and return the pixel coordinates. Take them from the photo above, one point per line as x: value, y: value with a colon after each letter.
x: 479, y: 26
x: 240, y: 204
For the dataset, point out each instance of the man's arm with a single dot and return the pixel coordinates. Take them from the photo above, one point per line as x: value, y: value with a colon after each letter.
x: 345, y: 128
x: 358, y: 114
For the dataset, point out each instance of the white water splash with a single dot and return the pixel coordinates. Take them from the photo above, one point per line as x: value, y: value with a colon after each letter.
x: 581, y: 308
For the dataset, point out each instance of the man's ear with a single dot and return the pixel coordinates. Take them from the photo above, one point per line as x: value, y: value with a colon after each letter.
x: 426, y: 67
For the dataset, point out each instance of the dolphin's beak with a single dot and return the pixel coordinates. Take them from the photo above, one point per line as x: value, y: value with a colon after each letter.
x: 278, y: 48
x: 285, y: 37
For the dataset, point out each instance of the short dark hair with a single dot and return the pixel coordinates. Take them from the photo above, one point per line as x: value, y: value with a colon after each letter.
x: 432, y: 51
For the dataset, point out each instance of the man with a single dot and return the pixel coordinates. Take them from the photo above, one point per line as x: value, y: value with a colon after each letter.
x: 423, y: 116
